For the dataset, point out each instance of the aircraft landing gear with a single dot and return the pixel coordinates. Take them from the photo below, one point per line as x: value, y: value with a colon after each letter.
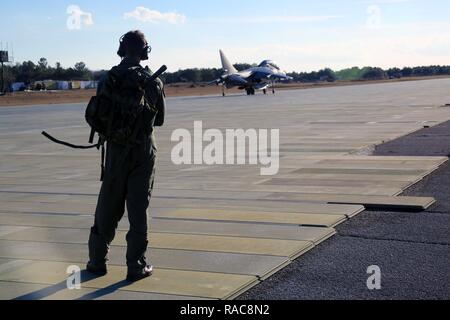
x: 223, y: 91
x: 265, y: 91
x: 250, y: 91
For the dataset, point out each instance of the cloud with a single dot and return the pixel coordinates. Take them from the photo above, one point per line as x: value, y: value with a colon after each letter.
x: 391, y: 46
x: 147, y: 15
x: 395, y: 47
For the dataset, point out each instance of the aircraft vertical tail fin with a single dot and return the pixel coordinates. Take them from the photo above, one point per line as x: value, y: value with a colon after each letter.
x: 226, y: 64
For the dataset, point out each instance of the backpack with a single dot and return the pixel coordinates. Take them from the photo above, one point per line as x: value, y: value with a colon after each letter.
x: 120, y: 110
x: 117, y: 112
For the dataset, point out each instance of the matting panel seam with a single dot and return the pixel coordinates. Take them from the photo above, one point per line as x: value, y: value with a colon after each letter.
x: 150, y: 247
x: 186, y: 233
x: 259, y: 222
x: 228, y: 236
x: 252, y: 237
x: 354, y: 214
x: 295, y: 256
x: 180, y: 232
x: 169, y: 248
x: 328, y: 236
x: 275, y: 270
x: 151, y: 234
x: 388, y: 206
x: 241, y: 291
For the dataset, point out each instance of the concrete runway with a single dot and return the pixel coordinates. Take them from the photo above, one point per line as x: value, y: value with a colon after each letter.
x: 411, y: 248
x: 216, y: 231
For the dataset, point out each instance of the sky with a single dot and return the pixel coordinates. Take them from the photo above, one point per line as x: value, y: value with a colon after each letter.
x: 300, y: 35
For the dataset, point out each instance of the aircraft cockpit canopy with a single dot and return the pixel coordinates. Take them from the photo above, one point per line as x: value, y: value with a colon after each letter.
x: 269, y: 63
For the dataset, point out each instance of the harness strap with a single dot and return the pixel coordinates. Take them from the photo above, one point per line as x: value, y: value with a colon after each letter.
x: 99, y: 145
x: 91, y: 136
x: 73, y: 146
x: 102, y: 174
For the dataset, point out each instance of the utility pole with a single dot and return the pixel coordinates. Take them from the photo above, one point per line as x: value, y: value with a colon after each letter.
x: 3, y: 80
x: 3, y: 59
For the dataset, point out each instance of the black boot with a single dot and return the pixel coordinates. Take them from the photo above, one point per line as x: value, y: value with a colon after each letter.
x: 134, y: 276
x: 98, y: 270
x: 140, y: 270
x: 98, y: 254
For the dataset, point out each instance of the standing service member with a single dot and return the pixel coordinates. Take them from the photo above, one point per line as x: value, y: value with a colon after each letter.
x: 137, y: 101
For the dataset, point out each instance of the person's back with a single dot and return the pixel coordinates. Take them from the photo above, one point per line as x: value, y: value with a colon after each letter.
x: 130, y: 157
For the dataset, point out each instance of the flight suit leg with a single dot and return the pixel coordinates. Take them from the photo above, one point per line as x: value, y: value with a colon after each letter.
x: 110, y: 206
x: 139, y: 189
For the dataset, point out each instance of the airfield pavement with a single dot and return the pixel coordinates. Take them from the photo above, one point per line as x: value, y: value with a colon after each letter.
x: 411, y: 248
x: 217, y: 231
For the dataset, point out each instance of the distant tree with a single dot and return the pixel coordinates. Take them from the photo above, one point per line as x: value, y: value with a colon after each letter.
x: 444, y: 70
x: 26, y: 72
x: 58, y: 72
x: 424, y: 71
x: 43, y: 63
x: 407, y: 72
x: 374, y: 74
x: 326, y: 75
x: 190, y: 75
x: 80, y: 66
x: 394, y: 73
x: 81, y: 72
x: 9, y: 78
x: 350, y: 74
x: 29, y: 72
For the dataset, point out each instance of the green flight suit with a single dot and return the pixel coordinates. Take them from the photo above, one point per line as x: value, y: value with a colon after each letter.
x: 128, y: 182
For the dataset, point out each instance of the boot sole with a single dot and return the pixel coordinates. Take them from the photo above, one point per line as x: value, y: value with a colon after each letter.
x: 135, y: 278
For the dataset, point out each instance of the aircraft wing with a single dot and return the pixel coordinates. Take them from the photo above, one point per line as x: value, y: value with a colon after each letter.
x: 280, y: 77
x: 216, y: 82
x: 247, y: 75
x: 255, y: 75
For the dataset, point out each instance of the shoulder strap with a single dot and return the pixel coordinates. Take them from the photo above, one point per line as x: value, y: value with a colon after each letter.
x: 67, y: 144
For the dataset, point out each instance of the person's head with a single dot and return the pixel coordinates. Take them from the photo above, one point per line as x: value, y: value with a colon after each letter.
x: 134, y: 45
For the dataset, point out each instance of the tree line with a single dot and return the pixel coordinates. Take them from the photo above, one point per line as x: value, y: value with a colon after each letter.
x: 369, y: 73
x: 29, y: 72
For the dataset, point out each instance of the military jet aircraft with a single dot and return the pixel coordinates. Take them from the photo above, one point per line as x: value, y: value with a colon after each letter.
x: 261, y: 77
